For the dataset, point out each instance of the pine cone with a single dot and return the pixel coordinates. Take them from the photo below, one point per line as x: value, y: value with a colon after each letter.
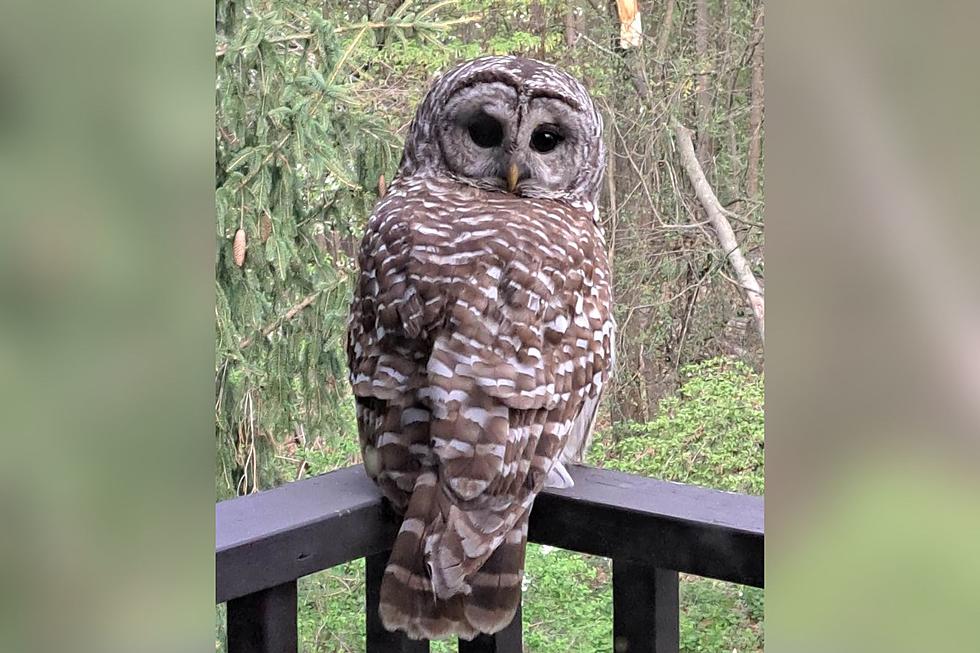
x: 238, y: 247
x: 266, y: 226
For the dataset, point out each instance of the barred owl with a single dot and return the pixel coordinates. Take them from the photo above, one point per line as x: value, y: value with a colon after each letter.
x: 481, y: 334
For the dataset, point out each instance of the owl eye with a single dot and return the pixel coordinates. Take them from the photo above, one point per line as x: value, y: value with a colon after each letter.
x: 486, y: 131
x: 546, y: 138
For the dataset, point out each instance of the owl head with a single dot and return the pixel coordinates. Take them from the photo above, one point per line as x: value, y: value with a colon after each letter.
x: 511, y: 125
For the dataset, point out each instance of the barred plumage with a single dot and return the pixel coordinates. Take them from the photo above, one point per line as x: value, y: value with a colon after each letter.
x: 480, y: 339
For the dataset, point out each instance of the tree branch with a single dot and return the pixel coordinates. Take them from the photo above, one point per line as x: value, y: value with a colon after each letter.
x: 723, y: 229
x: 286, y: 317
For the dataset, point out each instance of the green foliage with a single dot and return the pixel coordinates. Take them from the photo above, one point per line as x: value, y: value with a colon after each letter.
x: 286, y: 172
x: 338, y: 453
x: 711, y: 432
x: 718, y: 616
x: 298, y: 156
x: 567, y: 601
x: 331, y: 608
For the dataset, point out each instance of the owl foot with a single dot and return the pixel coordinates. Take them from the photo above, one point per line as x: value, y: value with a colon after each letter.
x: 558, y: 477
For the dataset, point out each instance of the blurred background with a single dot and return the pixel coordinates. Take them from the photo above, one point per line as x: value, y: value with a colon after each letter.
x: 873, y: 351
x: 146, y: 373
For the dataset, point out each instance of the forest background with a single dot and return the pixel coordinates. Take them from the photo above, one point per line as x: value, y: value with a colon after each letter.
x: 313, y: 101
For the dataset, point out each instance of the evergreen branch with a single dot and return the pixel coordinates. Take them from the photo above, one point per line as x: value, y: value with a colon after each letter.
x: 251, y: 175
x: 420, y: 25
x: 435, y: 7
x: 343, y: 58
x: 289, y: 37
x: 285, y: 317
x: 329, y: 165
x: 222, y: 48
x: 402, y: 8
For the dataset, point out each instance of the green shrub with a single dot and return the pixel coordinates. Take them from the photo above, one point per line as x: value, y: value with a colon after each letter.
x: 709, y: 433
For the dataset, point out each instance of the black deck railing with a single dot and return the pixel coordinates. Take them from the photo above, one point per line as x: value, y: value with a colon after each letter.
x: 651, y: 529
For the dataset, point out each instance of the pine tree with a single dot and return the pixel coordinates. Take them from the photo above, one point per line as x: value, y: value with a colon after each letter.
x: 296, y: 170
x: 299, y: 151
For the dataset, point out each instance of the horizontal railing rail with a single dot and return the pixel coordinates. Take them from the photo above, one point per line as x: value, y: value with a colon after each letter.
x: 651, y: 529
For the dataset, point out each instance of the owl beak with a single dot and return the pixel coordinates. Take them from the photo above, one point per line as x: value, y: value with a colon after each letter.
x: 513, y: 174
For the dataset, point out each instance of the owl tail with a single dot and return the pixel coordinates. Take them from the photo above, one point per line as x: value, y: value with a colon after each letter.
x: 415, y: 597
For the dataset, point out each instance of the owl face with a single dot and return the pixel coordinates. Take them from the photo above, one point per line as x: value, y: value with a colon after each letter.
x: 510, y: 125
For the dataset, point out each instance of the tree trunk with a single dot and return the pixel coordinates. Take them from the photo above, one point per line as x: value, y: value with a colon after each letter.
x: 630, y: 24
x: 572, y: 25
x: 611, y: 191
x: 539, y: 25
x: 724, y: 30
x: 721, y: 226
x: 727, y: 67
x: 702, y: 100
x: 663, y: 38
x: 633, y: 61
x: 757, y: 106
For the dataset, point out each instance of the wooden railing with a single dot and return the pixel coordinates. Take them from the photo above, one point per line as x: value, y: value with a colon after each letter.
x: 651, y: 529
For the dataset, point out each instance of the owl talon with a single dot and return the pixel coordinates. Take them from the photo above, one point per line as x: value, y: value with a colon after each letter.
x: 559, y: 478
x: 372, y: 461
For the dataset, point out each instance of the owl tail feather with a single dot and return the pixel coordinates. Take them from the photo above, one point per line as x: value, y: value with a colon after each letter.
x: 486, y: 600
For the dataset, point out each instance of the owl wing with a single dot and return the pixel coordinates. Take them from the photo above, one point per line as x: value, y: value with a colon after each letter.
x: 387, y: 350
x: 516, y: 353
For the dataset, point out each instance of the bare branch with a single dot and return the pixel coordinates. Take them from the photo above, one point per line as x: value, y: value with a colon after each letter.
x: 723, y: 229
x: 286, y: 317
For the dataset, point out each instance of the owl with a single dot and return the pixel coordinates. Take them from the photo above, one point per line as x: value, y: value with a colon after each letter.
x: 481, y: 334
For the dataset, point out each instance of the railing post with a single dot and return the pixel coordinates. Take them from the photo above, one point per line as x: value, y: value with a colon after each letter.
x: 507, y: 640
x: 646, y: 612
x: 380, y: 640
x: 264, y: 622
